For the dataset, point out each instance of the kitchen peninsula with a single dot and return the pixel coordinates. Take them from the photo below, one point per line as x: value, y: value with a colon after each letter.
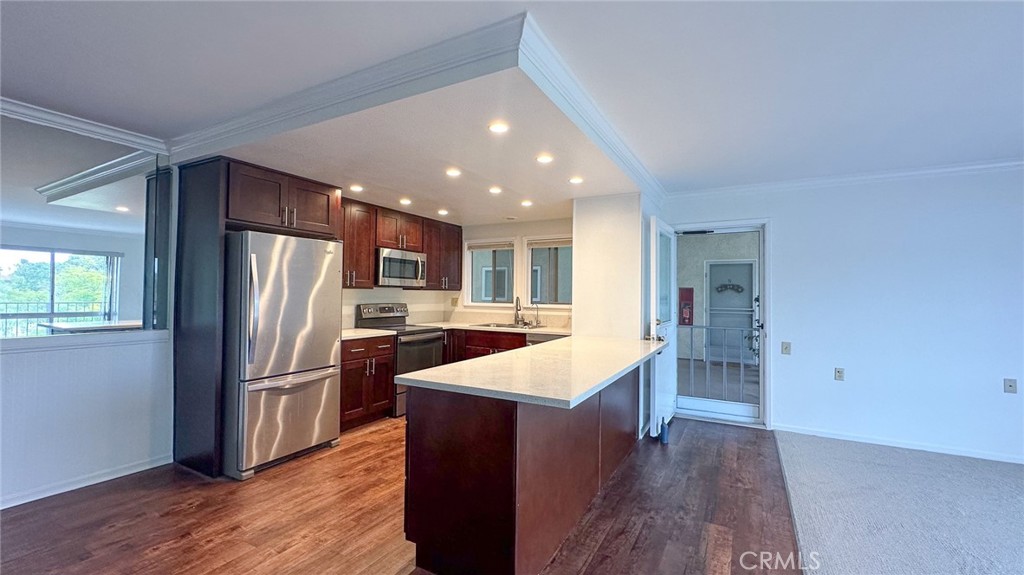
x: 505, y: 452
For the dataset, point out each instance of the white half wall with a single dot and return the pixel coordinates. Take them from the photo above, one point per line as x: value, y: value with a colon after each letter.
x: 81, y: 409
x: 131, y: 245
x: 607, y: 271
x: 914, y: 286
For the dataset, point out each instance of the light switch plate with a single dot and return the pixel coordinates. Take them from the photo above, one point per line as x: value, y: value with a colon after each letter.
x: 787, y: 348
x: 840, y: 374
x: 1009, y: 385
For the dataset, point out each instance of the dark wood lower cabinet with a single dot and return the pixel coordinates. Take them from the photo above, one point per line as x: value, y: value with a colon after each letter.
x: 476, y: 351
x: 367, y: 380
x: 494, y: 486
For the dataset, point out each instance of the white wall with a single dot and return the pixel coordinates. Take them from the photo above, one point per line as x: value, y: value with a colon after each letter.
x: 914, y: 286
x: 424, y: 306
x: 606, y: 276
x: 131, y: 245
x: 80, y: 409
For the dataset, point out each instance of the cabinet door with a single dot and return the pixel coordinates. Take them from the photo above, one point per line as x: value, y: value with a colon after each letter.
x: 381, y: 383
x: 452, y: 257
x: 411, y: 229
x: 389, y: 228
x: 360, y: 244
x: 454, y: 345
x: 474, y: 351
x: 257, y: 196
x: 315, y: 207
x: 433, y: 246
x: 353, y: 389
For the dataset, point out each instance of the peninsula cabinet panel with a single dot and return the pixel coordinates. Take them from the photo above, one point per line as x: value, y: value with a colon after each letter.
x: 315, y: 208
x: 494, y: 486
x: 360, y: 244
x: 258, y: 196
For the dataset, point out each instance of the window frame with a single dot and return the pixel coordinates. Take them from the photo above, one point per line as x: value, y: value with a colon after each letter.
x: 112, y: 298
x: 467, y: 272
x: 564, y: 240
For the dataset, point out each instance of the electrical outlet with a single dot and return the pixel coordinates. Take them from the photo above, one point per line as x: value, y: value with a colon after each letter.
x: 1009, y: 385
x: 787, y: 348
x: 455, y: 302
x: 840, y: 374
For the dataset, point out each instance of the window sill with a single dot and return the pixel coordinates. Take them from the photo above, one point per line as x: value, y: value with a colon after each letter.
x: 82, y: 340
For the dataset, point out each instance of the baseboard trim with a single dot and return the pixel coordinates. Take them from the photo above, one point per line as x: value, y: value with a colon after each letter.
x: 931, y: 447
x: 12, y: 499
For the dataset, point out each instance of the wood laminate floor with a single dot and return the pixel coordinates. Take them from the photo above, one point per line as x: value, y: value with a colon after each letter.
x: 689, y: 507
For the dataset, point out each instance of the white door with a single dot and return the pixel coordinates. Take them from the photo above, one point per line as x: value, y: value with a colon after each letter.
x: 662, y: 314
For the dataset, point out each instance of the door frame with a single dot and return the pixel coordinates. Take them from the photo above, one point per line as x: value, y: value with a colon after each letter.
x: 765, y: 227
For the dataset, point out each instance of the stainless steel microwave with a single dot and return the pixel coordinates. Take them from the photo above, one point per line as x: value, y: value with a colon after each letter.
x: 400, y: 268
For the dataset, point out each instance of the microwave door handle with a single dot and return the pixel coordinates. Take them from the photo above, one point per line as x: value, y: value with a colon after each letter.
x: 254, y: 307
x: 420, y: 273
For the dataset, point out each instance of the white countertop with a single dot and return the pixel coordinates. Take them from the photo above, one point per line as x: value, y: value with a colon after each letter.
x: 561, y: 373
x: 541, y: 330
x: 360, y: 333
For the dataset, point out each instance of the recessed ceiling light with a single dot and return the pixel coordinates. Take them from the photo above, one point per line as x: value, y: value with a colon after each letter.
x: 122, y: 209
x: 495, y: 190
x: 498, y: 127
x: 405, y: 201
x: 454, y: 172
x: 575, y: 180
x: 527, y: 203
x: 442, y: 212
x: 356, y: 188
x: 545, y: 158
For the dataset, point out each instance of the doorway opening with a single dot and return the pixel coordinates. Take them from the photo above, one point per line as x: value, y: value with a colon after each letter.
x: 720, y: 333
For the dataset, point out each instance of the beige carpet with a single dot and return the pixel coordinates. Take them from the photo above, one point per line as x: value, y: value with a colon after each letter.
x: 875, y: 510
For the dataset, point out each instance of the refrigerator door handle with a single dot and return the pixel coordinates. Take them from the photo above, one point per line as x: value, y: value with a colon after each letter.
x: 254, y: 307
x: 294, y: 380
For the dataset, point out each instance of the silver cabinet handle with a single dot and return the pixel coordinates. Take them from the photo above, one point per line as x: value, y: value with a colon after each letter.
x: 384, y: 346
x: 367, y: 368
x: 353, y: 277
x: 294, y: 212
x: 284, y: 216
x: 373, y: 366
x: 358, y: 349
x: 254, y: 307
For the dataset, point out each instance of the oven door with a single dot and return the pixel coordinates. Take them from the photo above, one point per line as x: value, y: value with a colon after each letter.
x: 416, y: 352
x: 400, y: 268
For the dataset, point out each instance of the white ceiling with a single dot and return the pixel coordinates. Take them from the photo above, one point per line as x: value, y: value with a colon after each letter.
x: 32, y: 155
x: 707, y: 95
x: 402, y: 149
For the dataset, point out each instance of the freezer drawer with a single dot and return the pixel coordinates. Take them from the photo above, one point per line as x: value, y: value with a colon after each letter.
x: 283, y: 415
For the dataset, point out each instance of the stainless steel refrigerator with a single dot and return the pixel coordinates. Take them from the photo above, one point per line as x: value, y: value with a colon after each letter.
x: 282, y: 348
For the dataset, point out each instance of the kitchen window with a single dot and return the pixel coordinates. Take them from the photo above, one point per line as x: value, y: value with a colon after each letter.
x: 550, y: 265
x: 41, y: 286
x: 492, y: 274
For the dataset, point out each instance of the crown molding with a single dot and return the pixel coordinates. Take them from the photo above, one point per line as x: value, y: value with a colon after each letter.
x: 50, y: 228
x: 101, y: 175
x: 542, y: 64
x: 867, y: 178
x: 42, y: 116
x: 483, y: 51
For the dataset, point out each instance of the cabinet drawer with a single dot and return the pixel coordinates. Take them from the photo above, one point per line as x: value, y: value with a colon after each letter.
x: 367, y: 347
x: 495, y: 340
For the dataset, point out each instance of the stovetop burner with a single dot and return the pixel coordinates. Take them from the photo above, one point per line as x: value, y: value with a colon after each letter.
x: 391, y: 316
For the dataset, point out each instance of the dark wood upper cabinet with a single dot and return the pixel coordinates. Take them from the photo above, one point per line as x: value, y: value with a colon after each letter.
x: 271, y: 201
x: 433, y: 246
x: 257, y: 195
x: 315, y: 207
x: 399, y: 230
x: 451, y: 259
x: 360, y: 245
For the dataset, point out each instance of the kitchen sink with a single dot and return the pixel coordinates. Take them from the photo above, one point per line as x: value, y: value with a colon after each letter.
x: 508, y: 325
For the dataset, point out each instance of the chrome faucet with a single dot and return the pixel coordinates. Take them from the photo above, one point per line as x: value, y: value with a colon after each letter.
x: 536, y: 315
x: 518, y: 317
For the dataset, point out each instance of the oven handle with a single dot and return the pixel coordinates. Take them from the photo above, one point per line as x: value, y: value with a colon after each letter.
x: 420, y: 337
